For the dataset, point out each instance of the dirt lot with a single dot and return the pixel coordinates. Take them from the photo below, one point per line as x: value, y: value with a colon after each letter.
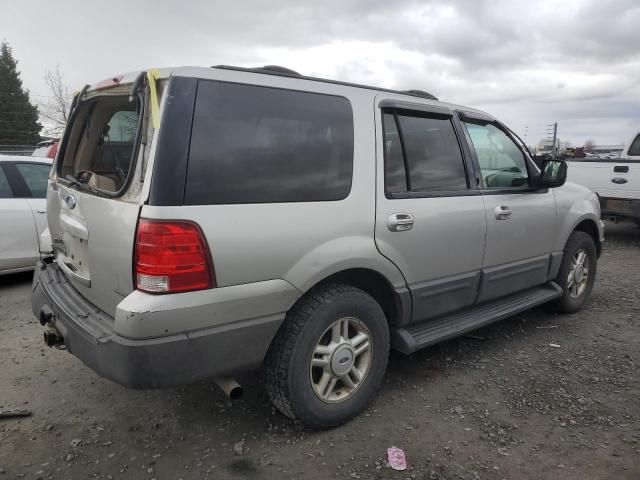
x: 502, y: 403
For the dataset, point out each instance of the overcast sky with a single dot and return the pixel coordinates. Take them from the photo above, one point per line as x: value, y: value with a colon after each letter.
x: 528, y: 62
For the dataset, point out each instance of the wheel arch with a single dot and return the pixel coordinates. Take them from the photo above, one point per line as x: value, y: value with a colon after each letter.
x: 395, y: 302
x: 590, y: 227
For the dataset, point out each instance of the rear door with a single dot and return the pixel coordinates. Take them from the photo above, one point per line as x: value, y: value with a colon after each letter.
x: 94, y: 199
x: 430, y: 221
x: 520, y: 220
x: 18, y: 236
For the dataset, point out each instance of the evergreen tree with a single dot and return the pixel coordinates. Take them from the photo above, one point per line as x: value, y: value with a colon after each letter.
x: 18, y: 118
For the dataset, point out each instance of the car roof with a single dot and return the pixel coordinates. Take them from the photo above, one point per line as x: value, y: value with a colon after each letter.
x: 23, y: 159
x: 415, y: 96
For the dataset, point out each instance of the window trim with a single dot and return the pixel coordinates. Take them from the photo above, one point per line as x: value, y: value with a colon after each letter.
x: 396, y: 108
x: 478, y: 118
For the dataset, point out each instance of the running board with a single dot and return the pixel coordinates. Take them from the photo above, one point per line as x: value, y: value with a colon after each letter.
x: 413, y: 338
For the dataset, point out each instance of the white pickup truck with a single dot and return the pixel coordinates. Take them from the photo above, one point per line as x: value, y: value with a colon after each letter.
x: 615, y: 180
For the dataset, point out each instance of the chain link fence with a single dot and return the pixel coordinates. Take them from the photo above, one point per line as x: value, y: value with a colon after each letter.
x: 24, y: 150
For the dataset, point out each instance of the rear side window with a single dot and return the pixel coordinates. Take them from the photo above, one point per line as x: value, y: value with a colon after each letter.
x: 634, y: 149
x: 5, y: 188
x: 35, y: 176
x: 431, y: 152
x: 252, y: 144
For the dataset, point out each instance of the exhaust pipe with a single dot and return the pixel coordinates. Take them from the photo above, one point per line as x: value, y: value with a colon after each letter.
x: 230, y: 387
x: 52, y: 337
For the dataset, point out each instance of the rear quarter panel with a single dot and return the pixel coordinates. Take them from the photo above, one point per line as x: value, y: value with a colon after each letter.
x: 300, y: 242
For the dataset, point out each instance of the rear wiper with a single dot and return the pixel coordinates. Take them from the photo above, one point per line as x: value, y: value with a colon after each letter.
x: 75, y: 182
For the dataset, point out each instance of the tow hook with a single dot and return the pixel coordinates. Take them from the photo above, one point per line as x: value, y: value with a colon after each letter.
x: 46, y: 315
x: 52, y: 337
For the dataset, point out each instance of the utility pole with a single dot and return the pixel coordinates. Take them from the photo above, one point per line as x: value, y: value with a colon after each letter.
x: 554, y: 149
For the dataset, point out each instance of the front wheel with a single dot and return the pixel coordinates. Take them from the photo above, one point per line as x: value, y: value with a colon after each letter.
x: 329, y: 357
x: 577, y: 272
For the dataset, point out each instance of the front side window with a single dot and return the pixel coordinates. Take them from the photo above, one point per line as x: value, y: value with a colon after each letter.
x: 634, y: 149
x: 5, y: 188
x: 502, y: 163
x: 431, y: 154
x: 36, y: 177
x: 252, y: 144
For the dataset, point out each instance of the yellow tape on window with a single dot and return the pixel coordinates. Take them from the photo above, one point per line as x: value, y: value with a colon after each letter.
x: 152, y: 75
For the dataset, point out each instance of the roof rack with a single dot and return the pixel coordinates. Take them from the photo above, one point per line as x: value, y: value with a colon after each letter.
x: 286, y: 72
x: 279, y: 69
x: 419, y: 93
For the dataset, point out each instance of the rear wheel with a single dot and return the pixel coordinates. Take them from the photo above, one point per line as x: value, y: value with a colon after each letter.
x: 329, y: 357
x: 577, y: 272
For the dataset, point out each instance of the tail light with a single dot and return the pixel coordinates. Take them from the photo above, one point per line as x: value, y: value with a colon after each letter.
x: 171, y: 256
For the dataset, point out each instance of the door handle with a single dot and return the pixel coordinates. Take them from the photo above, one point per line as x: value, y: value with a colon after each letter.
x: 502, y: 212
x: 399, y: 222
x: 41, y: 211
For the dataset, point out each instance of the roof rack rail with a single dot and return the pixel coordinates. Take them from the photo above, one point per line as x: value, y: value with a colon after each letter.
x: 420, y: 93
x: 279, y: 69
x: 286, y: 72
x: 268, y: 69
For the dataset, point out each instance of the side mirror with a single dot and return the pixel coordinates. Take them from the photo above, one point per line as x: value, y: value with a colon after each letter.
x: 553, y: 174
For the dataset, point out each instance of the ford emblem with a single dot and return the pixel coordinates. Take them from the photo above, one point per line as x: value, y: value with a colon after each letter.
x: 619, y: 180
x: 71, y: 201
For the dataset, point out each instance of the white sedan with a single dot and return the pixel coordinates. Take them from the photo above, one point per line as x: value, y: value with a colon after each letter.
x: 24, y: 235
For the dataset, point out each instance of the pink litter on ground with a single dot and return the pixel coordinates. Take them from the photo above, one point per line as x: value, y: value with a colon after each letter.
x: 396, y: 457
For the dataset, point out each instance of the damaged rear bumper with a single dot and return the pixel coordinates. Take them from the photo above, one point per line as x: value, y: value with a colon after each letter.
x: 88, y: 333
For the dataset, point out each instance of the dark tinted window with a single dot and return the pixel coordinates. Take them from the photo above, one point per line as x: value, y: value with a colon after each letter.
x: 634, y: 149
x: 35, y: 176
x: 432, y: 152
x: 395, y: 177
x: 5, y: 189
x: 253, y: 144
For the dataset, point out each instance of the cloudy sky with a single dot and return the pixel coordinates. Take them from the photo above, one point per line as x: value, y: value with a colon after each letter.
x: 528, y: 62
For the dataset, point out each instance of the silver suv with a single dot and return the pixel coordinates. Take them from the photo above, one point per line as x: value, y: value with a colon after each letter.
x: 211, y: 221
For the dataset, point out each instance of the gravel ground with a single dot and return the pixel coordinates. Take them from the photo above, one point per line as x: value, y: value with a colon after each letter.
x: 501, y: 403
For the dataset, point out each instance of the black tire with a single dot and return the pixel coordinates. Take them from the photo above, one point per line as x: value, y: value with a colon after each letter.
x: 287, y: 365
x: 577, y: 241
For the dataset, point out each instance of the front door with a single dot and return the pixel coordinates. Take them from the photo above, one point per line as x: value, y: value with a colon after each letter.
x: 429, y: 221
x: 520, y: 220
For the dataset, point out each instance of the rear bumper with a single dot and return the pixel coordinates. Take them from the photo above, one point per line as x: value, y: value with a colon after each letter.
x: 148, y: 363
x: 620, y: 207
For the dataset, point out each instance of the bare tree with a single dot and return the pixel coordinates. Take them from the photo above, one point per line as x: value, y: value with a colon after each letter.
x: 55, y: 111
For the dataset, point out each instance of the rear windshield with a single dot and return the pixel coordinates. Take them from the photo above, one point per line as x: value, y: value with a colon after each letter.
x: 252, y: 144
x: 100, y: 146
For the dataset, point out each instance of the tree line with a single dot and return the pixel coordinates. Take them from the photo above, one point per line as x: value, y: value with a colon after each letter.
x: 20, y: 119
